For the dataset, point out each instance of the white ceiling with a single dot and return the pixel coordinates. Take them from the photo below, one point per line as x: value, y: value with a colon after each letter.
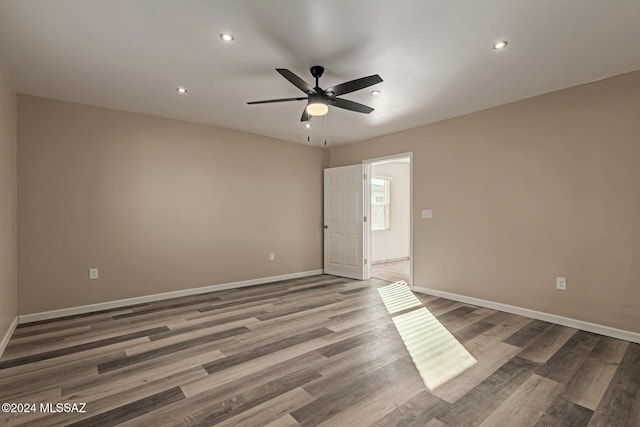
x: 435, y: 56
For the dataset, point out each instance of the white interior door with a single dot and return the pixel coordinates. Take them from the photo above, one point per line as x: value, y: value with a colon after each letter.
x: 344, y: 221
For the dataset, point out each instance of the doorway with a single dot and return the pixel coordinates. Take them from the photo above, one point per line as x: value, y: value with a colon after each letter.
x: 388, y: 206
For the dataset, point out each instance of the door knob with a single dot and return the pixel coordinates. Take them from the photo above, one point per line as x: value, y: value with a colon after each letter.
x: 326, y: 226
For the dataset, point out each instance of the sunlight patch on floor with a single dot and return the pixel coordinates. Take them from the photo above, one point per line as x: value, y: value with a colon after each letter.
x: 397, y: 297
x: 436, y: 353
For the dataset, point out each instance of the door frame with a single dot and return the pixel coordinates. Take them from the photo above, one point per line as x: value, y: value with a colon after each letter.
x: 367, y: 210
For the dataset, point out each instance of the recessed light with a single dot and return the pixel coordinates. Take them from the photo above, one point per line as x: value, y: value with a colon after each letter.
x: 500, y: 45
x: 307, y: 125
x: 227, y: 37
x: 375, y: 92
x: 181, y: 90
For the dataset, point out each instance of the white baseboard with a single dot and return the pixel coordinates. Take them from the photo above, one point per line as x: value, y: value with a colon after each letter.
x: 7, y: 336
x: 547, y: 317
x: 46, y: 315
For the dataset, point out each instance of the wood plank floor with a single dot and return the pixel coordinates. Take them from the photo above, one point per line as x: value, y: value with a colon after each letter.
x: 393, y: 270
x: 317, y: 351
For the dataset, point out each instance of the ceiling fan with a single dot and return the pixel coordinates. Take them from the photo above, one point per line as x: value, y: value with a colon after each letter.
x: 318, y: 99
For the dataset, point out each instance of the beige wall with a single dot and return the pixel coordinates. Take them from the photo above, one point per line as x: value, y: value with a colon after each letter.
x: 8, y: 187
x: 158, y: 205
x: 525, y: 192
x: 394, y: 243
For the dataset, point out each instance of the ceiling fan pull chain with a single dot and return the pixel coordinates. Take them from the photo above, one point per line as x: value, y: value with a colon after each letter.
x: 325, y: 130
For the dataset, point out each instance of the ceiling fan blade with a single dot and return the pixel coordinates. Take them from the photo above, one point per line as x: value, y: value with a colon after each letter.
x: 354, y: 85
x: 277, y: 100
x: 296, y: 81
x: 350, y: 105
x: 305, y: 116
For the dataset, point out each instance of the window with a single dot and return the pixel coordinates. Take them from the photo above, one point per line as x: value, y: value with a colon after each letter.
x: 380, y: 203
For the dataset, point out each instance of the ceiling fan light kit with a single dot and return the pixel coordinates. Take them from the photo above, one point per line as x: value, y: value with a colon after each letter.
x: 318, y: 99
x: 317, y: 109
x: 317, y: 106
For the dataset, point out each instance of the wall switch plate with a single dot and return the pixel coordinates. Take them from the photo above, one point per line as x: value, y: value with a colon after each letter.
x: 561, y: 283
x: 272, y: 256
x: 427, y: 213
x: 93, y: 274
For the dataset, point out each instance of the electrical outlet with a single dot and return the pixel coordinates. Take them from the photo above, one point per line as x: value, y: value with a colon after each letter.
x: 93, y: 274
x: 561, y: 283
x: 272, y: 256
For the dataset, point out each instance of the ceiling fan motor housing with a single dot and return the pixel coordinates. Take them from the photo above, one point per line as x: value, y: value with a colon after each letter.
x: 318, y: 98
